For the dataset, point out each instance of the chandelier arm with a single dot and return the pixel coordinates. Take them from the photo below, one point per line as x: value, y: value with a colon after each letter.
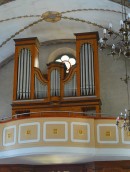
x: 121, y: 126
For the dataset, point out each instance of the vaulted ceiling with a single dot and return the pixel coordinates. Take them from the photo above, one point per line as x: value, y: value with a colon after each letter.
x: 53, y: 20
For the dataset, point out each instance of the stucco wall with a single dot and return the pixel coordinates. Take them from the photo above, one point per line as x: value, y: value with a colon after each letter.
x: 6, y: 88
x: 113, y: 90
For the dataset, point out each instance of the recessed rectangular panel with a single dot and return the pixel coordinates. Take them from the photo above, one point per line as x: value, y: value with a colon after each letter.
x: 29, y: 132
x: 125, y: 135
x: 9, y: 136
x: 80, y: 132
x: 107, y: 133
x: 55, y: 131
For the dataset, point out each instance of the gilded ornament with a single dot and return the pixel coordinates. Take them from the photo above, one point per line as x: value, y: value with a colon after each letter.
x: 51, y: 16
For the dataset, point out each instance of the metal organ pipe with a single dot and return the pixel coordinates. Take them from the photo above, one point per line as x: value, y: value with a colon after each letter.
x: 40, y: 89
x: 55, y: 83
x: 92, y: 74
x: 75, y: 86
x: 24, y: 72
x: 70, y: 87
x: 28, y: 75
x: 87, y: 70
x: 18, y: 83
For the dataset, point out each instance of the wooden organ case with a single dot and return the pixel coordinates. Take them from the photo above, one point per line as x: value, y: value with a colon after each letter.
x: 57, y: 92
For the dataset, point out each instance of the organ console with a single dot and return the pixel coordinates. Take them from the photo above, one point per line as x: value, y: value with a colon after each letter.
x: 76, y: 91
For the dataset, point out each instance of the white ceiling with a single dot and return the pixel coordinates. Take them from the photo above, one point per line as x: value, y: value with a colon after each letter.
x: 99, y: 12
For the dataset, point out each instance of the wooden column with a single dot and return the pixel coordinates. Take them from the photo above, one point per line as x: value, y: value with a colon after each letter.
x: 90, y: 38
x: 28, y: 43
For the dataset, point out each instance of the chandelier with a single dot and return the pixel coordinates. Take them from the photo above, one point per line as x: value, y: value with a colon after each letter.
x: 123, y: 44
x: 123, y: 120
x: 122, y: 47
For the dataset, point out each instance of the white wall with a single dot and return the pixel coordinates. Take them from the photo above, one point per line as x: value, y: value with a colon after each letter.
x: 113, y: 90
x: 6, y: 88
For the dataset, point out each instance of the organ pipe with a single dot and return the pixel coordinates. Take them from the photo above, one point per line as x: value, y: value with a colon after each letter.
x: 24, y: 72
x: 87, y: 86
x: 55, y: 83
x: 40, y: 89
x: 70, y: 87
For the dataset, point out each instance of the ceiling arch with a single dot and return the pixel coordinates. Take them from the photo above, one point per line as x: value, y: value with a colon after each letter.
x: 52, y: 20
x: 61, y: 51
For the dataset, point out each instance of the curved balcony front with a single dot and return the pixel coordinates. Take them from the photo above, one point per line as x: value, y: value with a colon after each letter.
x: 59, y: 140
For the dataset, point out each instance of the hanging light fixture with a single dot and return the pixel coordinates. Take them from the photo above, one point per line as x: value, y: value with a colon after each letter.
x: 123, y: 120
x: 123, y: 45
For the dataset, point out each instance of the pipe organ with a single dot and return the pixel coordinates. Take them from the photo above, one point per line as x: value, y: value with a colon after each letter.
x: 56, y: 90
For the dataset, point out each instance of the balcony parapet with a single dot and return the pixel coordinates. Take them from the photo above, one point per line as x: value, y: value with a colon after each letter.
x: 72, y: 133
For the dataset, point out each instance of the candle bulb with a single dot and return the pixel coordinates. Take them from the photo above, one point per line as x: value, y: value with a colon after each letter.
x: 110, y: 25
x: 128, y: 16
x: 125, y: 116
x: 104, y: 31
x: 121, y: 23
x: 117, y: 119
x: 101, y: 40
x: 126, y: 110
x: 113, y: 46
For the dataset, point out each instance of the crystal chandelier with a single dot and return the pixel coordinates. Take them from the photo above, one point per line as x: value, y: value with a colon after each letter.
x: 125, y: 118
x: 123, y: 35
